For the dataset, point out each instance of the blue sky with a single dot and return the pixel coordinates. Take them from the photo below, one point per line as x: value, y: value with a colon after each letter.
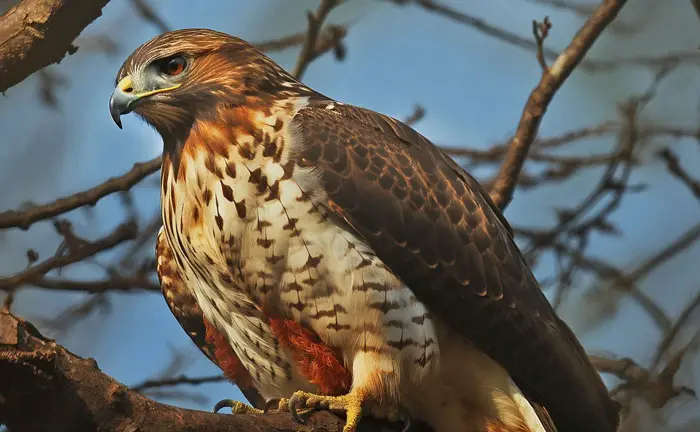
x: 473, y: 89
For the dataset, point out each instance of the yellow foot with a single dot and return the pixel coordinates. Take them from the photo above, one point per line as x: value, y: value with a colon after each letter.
x: 350, y: 404
x: 237, y: 407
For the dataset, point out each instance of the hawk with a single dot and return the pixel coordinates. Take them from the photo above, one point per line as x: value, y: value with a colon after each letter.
x: 332, y: 257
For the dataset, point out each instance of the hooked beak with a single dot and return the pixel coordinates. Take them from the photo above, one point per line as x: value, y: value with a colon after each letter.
x: 122, y: 100
x: 124, y: 97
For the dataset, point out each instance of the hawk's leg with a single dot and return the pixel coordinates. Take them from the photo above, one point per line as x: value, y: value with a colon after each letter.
x: 351, y: 404
x: 372, y: 383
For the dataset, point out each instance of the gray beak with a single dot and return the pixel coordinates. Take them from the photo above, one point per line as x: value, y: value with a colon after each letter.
x: 122, y: 100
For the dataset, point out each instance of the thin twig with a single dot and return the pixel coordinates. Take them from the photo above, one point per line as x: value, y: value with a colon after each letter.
x: 23, y: 219
x: 122, y: 233
x: 480, y: 25
x: 309, y: 51
x: 540, y: 31
x: 623, y: 368
x: 589, y: 65
x: 696, y: 6
x: 328, y: 39
x: 542, y: 95
x: 674, y: 167
x: 416, y: 116
x: 671, y: 334
x: 677, y: 246
x: 116, y: 283
x: 175, y: 381
x: 146, y: 11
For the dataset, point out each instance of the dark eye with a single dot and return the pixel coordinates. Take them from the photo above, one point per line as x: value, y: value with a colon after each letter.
x: 173, y: 66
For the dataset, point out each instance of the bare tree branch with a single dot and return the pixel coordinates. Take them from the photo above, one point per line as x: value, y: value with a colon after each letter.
x: 309, y: 52
x: 176, y: 381
x: 479, y: 25
x: 149, y: 14
x: 25, y: 218
x: 674, y: 167
x: 542, y: 95
x: 115, y: 284
x: 623, y: 368
x: 696, y: 6
x: 123, y: 232
x: 37, y: 33
x: 330, y: 38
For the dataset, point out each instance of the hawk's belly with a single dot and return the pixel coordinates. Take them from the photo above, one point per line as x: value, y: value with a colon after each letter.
x: 255, y: 245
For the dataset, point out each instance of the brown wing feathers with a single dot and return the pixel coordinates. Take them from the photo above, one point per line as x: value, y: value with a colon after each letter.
x: 433, y: 225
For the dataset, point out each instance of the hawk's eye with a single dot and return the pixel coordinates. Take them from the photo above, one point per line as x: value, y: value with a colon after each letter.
x: 173, y: 66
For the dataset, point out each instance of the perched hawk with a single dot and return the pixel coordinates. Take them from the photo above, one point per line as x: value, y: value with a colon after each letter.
x: 332, y: 257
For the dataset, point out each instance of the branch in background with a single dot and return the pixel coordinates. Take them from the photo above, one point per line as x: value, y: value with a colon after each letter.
x: 584, y: 10
x: 674, y: 167
x: 416, y: 116
x: 37, y: 33
x: 623, y: 368
x: 660, y: 62
x: 124, y: 232
x: 479, y: 25
x: 657, y: 388
x: 74, y: 395
x: 116, y: 283
x: 176, y: 381
x: 148, y: 14
x: 696, y: 6
x: 496, y: 153
x: 310, y: 51
x: 329, y: 39
x: 592, y: 214
x: 25, y: 218
x: 589, y: 65
x: 630, y: 280
x: 542, y: 95
x: 74, y: 314
x: 671, y: 334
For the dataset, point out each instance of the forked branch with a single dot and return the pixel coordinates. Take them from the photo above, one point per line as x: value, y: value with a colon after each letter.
x: 552, y: 79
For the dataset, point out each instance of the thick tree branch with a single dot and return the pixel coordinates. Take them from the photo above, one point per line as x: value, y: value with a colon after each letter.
x: 72, y: 394
x: 552, y: 79
x: 37, y: 33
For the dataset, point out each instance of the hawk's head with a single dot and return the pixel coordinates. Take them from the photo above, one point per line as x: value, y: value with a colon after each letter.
x: 184, y: 75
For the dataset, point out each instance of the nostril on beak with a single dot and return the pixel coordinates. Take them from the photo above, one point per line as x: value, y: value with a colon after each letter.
x: 128, y: 90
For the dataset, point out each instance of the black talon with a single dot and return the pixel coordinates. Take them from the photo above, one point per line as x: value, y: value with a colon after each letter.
x: 270, y: 404
x: 293, y: 410
x: 224, y: 403
x: 405, y: 417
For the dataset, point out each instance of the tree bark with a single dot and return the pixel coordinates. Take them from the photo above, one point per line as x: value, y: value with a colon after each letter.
x: 44, y: 387
x: 37, y: 33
